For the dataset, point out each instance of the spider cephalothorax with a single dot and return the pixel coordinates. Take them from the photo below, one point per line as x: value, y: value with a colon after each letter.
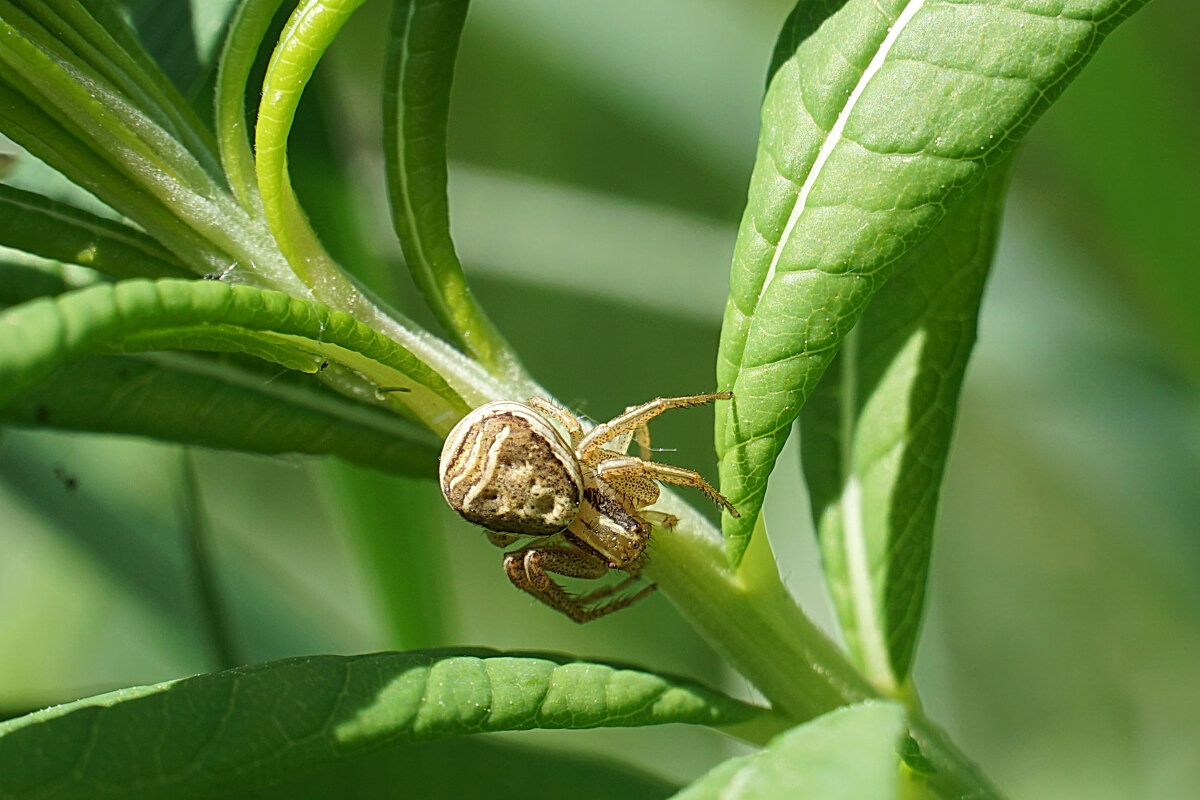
x: 507, y: 468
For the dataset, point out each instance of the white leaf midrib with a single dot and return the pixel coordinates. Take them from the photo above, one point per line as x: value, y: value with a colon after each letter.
x: 871, y: 639
x: 834, y: 137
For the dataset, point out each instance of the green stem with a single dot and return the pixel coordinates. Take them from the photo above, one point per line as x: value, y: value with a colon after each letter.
x: 954, y: 775
x: 751, y: 620
x: 749, y: 617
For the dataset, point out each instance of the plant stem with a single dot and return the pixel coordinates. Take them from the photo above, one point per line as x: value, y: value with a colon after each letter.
x: 749, y: 617
x: 751, y: 620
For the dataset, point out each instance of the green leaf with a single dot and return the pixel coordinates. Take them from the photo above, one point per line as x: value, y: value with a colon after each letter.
x: 418, y: 76
x: 62, y: 232
x: 181, y: 38
x: 62, y: 82
x: 851, y: 753
x: 192, y: 400
x: 103, y: 40
x: 38, y: 337
x: 21, y: 281
x: 435, y: 769
x: 806, y: 17
x: 262, y: 723
x: 875, y: 127
x: 876, y: 432
x: 59, y: 108
x: 308, y: 33
x: 247, y: 29
x: 47, y: 139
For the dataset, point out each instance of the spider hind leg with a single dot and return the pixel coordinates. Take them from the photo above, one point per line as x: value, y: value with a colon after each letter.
x: 528, y: 570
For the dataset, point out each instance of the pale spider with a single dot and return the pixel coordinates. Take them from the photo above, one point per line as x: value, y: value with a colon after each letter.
x: 506, y: 467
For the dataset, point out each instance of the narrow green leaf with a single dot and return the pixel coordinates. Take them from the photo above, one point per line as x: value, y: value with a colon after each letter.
x: 62, y: 232
x: 61, y: 82
x: 191, y: 400
x: 852, y: 753
x: 871, y: 131
x: 83, y: 112
x: 258, y: 724
x: 113, y: 51
x: 247, y: 30
x: 308, y: 33
x: 418, y: 76
x: 43, y: 136
x: 181, y: 40
x: 21, y: 282
x: 876, y: 432
x: 38, y: 337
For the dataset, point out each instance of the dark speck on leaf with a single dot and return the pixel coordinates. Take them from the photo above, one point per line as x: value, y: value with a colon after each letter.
x: 69, y: 482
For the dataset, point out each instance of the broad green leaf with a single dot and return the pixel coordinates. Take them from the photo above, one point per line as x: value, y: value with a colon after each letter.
x: 38, y: 337
x: 262, y: 723
x: 875, y: 127
x: 852, y: 753
x: 61, y: 232
x: 419, y: 72
x: 498, y: 770
x: 192, y: 400
x: 876, y: 432
x: 806, y: 17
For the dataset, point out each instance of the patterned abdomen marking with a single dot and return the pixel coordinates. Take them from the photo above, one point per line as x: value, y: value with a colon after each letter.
x: 509, y: 471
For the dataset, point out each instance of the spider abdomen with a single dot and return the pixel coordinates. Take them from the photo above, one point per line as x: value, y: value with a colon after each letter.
x: 506, y: 468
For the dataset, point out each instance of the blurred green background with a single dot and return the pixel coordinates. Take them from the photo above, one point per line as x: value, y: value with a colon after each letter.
x: 600, y: 154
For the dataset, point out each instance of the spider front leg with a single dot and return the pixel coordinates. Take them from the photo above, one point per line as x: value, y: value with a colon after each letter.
x: 636, y: 418
x: 635, y: 477
x: 620, y: 444
x: 527, y: 568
